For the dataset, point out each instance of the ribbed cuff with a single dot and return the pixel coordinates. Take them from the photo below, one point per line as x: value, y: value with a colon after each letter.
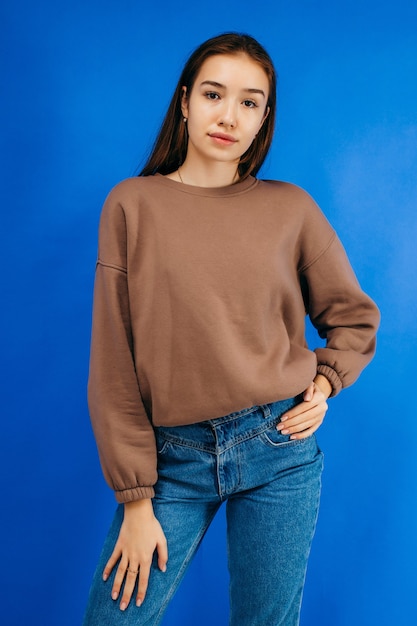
x: 137, y: 493
x: 332, y: 376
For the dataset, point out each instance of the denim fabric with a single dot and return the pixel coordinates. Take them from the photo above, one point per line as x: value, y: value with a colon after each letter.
x: 271, y: 486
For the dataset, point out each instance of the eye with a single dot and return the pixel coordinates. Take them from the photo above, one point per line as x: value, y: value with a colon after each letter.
x: 250, y: 104
x: 212, y: 95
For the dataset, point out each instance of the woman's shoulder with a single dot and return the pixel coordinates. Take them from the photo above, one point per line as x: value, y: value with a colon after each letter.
x: 289, y: 190
x: 131, y: 186
x: 127, y: 195
x: 297, y: 207
x: 290, y: 197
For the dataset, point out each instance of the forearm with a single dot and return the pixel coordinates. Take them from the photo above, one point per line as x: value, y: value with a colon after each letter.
x: 124, y: 434
x: 343, y: 315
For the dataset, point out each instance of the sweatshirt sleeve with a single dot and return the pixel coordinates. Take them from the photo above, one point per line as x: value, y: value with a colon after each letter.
x: 342, y: 314
x: 123, y: 432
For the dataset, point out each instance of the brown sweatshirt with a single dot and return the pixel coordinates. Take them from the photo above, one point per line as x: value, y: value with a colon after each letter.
x: 199, y: 310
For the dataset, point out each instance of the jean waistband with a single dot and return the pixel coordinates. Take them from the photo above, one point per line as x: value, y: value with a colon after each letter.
x: 273, y: 409
x: 220, y: 434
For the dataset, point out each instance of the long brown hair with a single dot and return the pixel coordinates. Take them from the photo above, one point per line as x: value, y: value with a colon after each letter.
x: 170, y: 148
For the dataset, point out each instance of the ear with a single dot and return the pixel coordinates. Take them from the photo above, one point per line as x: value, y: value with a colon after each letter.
x: 263, y: 120
x: 184, y: 102
x: 264, y: 117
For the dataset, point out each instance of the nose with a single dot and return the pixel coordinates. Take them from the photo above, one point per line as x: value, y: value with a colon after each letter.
x: 228, y: 115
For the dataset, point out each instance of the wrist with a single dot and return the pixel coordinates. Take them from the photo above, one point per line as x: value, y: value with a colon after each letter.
x: 323, y: 384
x: 142, y: 507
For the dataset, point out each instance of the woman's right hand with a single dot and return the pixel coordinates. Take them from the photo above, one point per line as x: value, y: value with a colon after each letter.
x: 140, y: 535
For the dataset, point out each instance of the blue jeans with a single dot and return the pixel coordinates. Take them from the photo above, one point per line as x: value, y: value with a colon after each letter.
x: 272, y: 488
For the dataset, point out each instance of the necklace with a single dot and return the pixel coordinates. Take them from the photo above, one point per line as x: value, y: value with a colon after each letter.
x: 179, y: 174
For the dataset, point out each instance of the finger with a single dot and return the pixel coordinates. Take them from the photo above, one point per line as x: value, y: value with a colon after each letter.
x: 130, y: 580
x: 304, y: 420
x: 309, y: 392
x: 143, y: 582
x: 302, y: 426
x: 297, y: 411
x: 162, y: 549
x: 118, y: 579
x: 111, y: 562
x: 316, y: 412
x: 303, y: 408
x: 305, y: 433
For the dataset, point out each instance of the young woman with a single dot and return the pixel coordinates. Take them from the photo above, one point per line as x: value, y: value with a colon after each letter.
x: 202, y: 388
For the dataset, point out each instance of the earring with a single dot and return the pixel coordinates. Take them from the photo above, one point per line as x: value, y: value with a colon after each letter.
x: 184, y: 119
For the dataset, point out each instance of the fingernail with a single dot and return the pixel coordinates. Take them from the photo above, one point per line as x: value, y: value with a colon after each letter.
x: 138, y: 602
x: 123, y: 606
x: 285, y: 432
x: 164, y: 569
x: 105, y: 577
x: 114, y: 595
x: 284, y: 418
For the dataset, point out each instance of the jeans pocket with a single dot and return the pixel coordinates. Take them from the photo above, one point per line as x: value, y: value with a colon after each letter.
x: 161, y: 443
x: 275, y: 439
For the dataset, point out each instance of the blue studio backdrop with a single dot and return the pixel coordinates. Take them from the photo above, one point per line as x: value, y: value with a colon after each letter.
x: 83, y: 91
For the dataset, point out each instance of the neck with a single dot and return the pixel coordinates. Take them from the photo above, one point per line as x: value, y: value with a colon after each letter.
x: 216, y: 174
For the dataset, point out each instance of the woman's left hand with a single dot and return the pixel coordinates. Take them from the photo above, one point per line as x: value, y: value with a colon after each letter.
x: 305, y: 418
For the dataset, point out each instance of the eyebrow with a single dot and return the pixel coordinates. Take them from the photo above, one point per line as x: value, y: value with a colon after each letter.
x: 213, y: 83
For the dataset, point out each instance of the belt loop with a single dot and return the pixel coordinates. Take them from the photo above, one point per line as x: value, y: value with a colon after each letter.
x: 266, y: 410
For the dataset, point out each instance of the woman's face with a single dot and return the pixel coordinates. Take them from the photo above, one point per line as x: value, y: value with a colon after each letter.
x: 226, y: 108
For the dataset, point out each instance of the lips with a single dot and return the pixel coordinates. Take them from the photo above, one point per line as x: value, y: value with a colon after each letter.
x: 223, y: 138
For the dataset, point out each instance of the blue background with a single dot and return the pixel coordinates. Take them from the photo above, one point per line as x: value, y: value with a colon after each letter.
x: 83, y: 91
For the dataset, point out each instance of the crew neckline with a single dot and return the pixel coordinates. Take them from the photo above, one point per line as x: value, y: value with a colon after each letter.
x: 211, y: 192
